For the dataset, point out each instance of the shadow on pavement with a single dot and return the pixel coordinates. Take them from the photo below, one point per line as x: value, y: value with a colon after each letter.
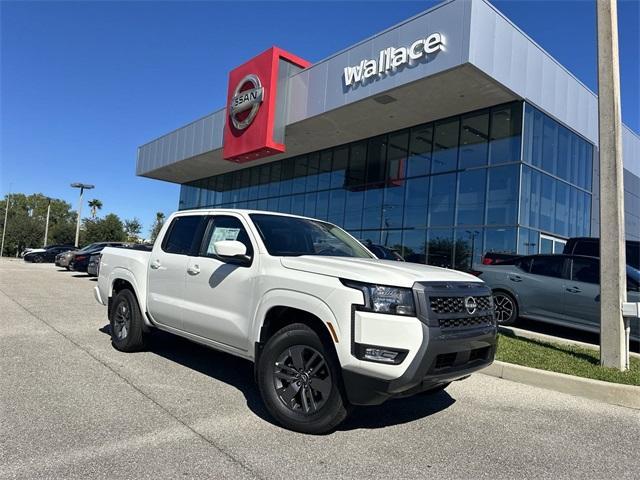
x: 239, y: 373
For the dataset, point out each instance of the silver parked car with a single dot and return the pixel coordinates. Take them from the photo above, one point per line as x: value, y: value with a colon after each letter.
x: 559, y: 289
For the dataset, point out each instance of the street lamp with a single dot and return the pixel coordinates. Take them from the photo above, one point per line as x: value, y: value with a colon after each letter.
x: 82, y: 187
x: 473, y: 235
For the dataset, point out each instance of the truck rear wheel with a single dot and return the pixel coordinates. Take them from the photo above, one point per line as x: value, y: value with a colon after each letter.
x: 127, y: 331
x: 299, y: 381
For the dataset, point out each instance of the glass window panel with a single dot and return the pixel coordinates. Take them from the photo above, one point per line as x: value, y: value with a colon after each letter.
x: 414, y: 245
x: 525, y: 197
x: 372, y: 210
x: 397, y: 157
x: 445, y: 145
x: 183, y: 202
x: 324, y: 177
x: 339, y: 169
x: 474, y: 140
x: 472, y: 186
x: 527, y: 137
x: 245, y: 183
x: 442, y: 200
x: 254, y: 181
x: 392, y: 239
x: 550, y: 145
x: 262, y: 204
x: 573, y: 212
x: 376, y: 161
x: 310, y: 204
x: 564, y: 153
x: 300, y: 169
x: 501, y: 240
x: 547, y: 203
x: 297, y: 204
x: 355, y: 175
x: 562, y: 209
x: 274, y: 180
x: 370, y: 237
x: 393, y: 205
x: 527, y: 241
x: 284, y: 204
x: 536, y: 138
x: 440, y: 247
x: 467, y: 248
x: 272, y: 204
x: 226, y: 188
x: 506, y: 128
x: 419, y: 161
x: 336, y: 206
x: 286, y: 182
x: 313, y: 172
x: 574, y: 172
x: 502, y: 200
x: 416, y: 202
x: 322, y: 205
x: 353, y: 210
x: 265, y: 175
x: 588, y: 167
x: 211, y: 192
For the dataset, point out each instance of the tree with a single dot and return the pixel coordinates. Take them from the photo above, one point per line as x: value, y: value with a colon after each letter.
x: 107, y: 229
x: 26, y: 219
x: 95, y: 205
x: 157, y: 226
x: 132, y: 228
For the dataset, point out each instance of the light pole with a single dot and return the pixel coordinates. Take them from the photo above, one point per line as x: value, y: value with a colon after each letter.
x: 82, y: 187
x: 4, y: 227
x: 46, y: 227
x: 614, y: 328
x: 473, y: 235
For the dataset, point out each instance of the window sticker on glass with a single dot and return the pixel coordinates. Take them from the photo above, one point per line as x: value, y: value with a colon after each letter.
x: 222, y: 233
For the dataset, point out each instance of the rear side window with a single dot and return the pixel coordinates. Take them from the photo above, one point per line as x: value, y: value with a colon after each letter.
x: 585, y: 270
x: 182, y: 233
x: 550, y: 266
x: 587, y: 248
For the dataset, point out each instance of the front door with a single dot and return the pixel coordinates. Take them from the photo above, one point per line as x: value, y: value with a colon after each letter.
x: 582, y: 292
x: 220, y: 295
x: 543, y: 287
x: 168, y: 267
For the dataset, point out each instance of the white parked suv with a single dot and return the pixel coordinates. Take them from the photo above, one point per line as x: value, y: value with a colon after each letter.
x: 325, y: 322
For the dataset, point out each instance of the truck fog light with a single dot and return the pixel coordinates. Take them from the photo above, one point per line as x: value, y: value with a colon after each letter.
x: 377, y: 354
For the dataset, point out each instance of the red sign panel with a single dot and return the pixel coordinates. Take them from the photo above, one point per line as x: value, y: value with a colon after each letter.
x: 251, y: 107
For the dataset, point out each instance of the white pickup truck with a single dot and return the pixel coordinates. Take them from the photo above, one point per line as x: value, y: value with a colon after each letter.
x: 325, y: 322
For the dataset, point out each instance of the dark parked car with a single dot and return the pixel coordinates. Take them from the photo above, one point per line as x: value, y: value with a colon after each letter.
x: 45, y: 255
x: 559, y: 289
x: 590, y: 246
x: 80, y: 260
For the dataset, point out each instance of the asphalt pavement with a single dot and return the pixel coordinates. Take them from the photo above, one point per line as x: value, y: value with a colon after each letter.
x: 73, y: 407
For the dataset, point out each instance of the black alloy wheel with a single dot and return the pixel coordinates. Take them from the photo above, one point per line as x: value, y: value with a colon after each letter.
x: 506, y: 308
x: 122, y: 320
x: 302, y: 379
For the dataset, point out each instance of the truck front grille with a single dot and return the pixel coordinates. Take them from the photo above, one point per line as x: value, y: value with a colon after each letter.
x: 465, y: 322
x: 442, y: 305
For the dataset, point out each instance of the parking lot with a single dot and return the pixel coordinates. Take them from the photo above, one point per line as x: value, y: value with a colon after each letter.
x: 73, y: 407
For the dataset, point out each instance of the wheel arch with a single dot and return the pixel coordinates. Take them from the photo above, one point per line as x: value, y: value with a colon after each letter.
x: 121, y: 279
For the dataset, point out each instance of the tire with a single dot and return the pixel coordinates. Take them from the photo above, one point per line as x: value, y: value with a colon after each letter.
x: 127, y: 329
x: 68, y: 269
x: 37, y: 259
x: 299, y: 381
x: 506, y: 308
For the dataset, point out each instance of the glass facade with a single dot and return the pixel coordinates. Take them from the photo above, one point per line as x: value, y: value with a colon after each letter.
x: 441, y: 193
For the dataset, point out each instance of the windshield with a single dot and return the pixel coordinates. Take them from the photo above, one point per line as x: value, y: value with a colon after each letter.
x: 293, y: 236
x: 633, y: 279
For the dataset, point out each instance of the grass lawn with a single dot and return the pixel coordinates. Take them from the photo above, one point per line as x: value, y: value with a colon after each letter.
x: 569, y: 359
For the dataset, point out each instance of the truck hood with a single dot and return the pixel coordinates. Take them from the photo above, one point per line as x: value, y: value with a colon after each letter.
x: 385, y: 272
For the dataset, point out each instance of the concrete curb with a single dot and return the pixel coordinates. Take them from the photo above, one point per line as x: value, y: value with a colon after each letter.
x: 607, y: 392
x: 543, y: 337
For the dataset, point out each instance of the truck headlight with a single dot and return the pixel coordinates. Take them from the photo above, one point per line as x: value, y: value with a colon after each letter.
x: 385, y: 299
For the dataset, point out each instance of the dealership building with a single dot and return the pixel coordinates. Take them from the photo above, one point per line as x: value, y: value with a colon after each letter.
x: 446, y: 136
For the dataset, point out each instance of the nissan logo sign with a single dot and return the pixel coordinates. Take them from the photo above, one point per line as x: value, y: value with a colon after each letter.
x: 247, y: 96
x: 471, y: 305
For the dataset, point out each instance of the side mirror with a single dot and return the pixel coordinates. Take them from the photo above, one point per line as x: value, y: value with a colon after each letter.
x: 233, y: 251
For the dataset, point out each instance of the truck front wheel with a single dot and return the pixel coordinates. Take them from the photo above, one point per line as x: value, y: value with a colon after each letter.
x: 127, y: 333
x: 299, y: 382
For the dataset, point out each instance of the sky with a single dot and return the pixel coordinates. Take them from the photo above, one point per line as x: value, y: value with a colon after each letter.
x: 83, y: 84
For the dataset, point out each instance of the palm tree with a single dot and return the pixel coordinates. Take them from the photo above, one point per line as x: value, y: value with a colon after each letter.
x: 95, y: 205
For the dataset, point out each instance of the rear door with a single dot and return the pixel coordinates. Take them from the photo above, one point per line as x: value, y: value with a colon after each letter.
x: 167, y: 269
x: 582, y: 292
x: 220, y: 296
x: 541, y: 290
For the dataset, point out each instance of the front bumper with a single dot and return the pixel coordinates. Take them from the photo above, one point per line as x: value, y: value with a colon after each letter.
x: 450, y: 350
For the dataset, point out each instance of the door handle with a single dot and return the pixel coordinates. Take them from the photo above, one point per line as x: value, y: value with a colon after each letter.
x: 155, y: 264
x: 573, y: 290
x: 193, y: 270
x: 515, y: 278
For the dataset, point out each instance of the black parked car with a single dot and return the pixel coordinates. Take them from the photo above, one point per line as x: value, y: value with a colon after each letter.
x: 47, y: 255
x: 590, y: 246
x: 80, y: 261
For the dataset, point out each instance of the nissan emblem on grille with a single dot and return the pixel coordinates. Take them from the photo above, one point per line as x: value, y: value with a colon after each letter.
x: 471, y: 305
x: 245, y: 99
